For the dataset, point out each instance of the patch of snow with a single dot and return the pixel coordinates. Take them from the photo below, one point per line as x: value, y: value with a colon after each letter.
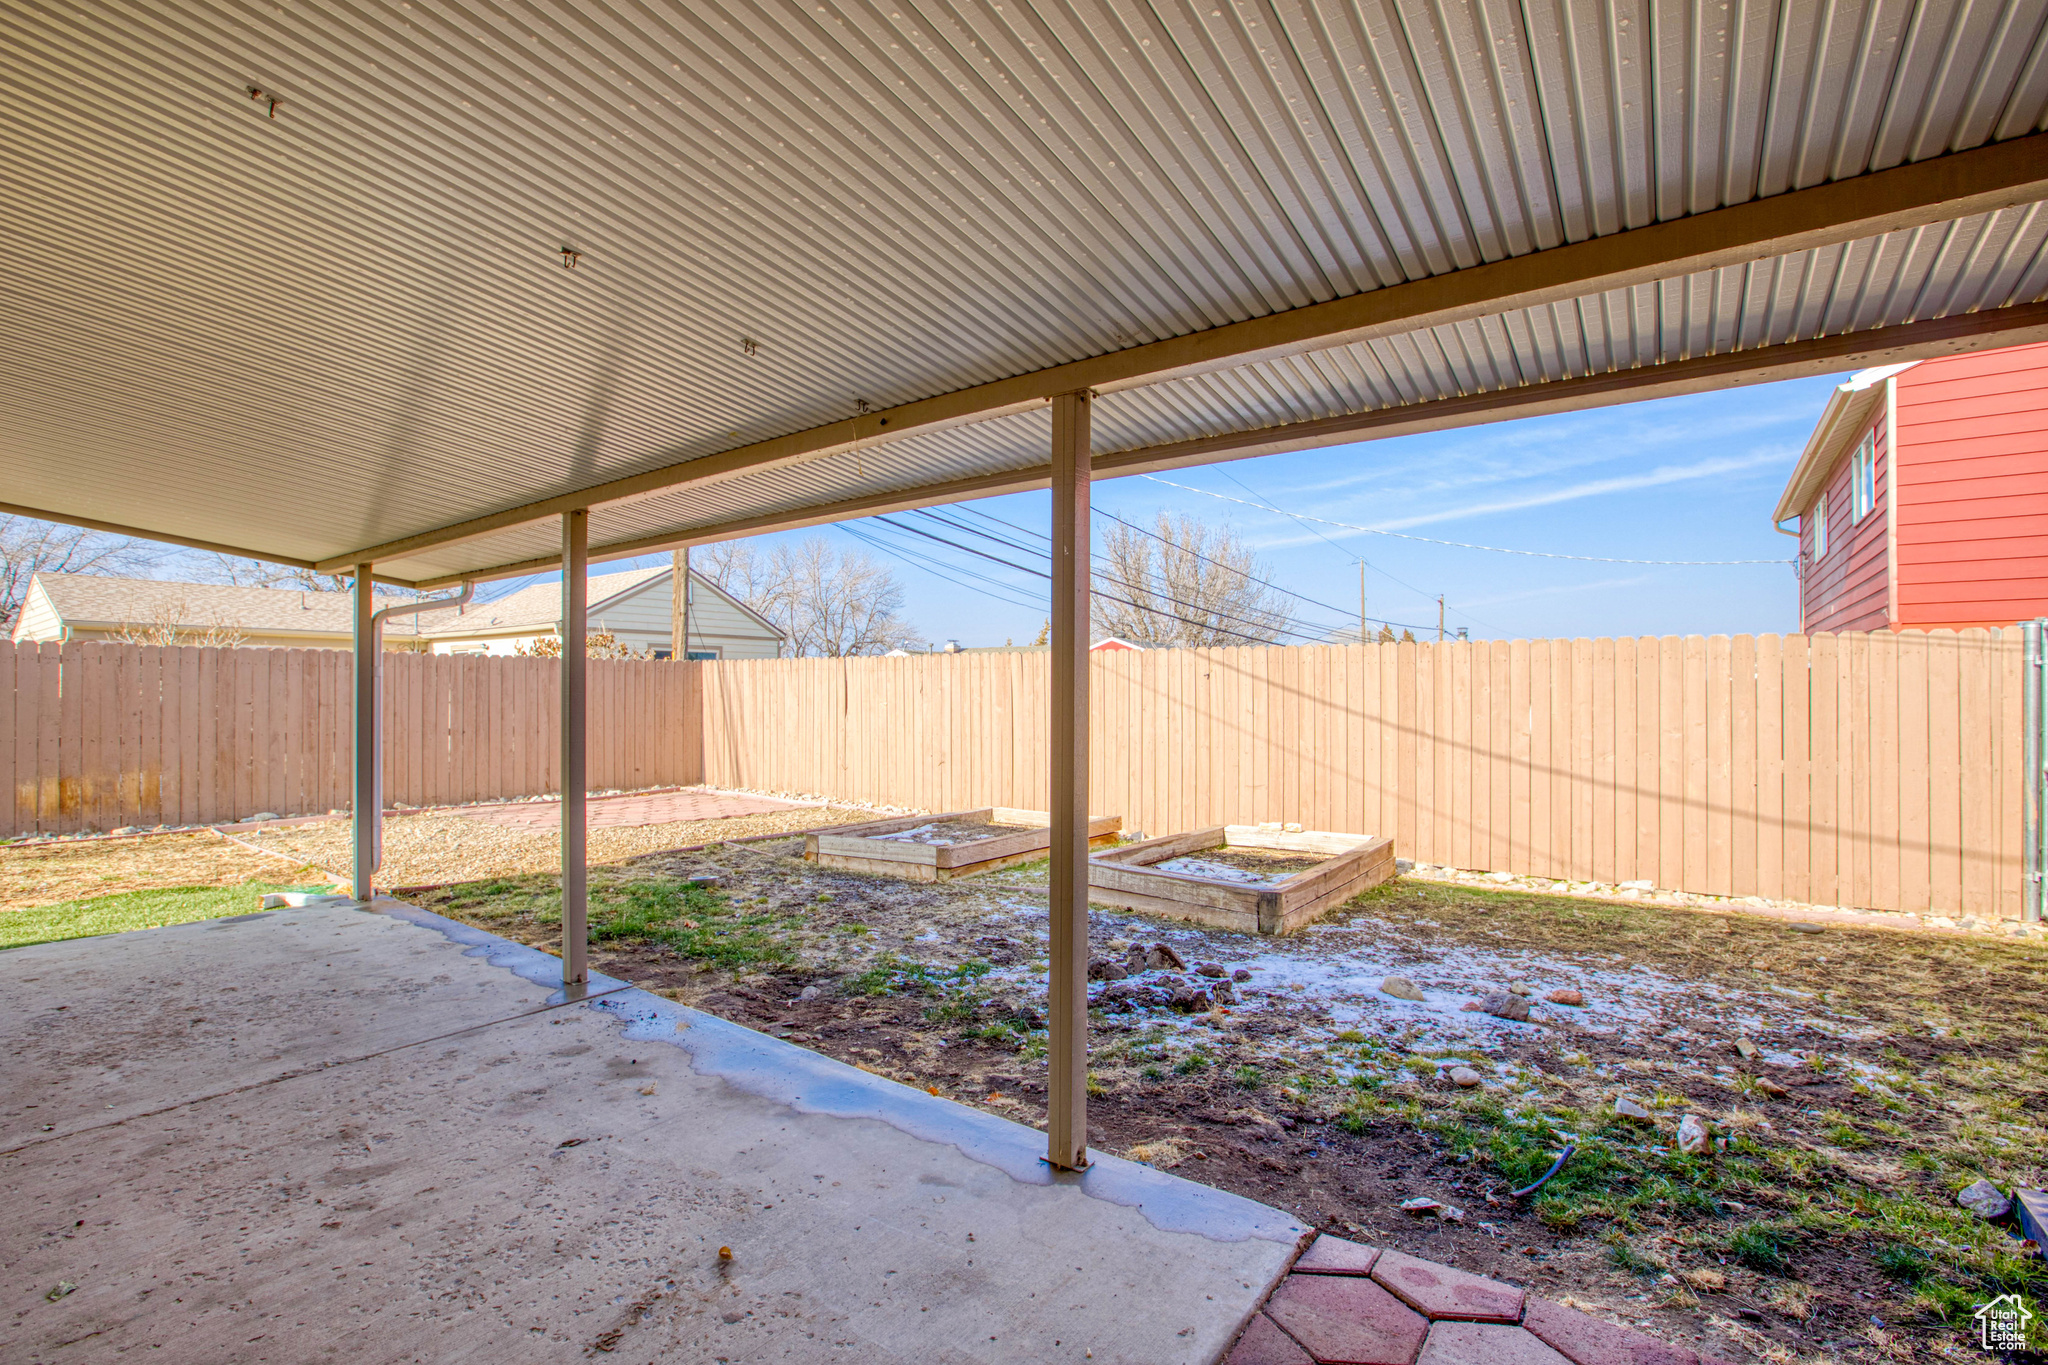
x: 1218, y: 872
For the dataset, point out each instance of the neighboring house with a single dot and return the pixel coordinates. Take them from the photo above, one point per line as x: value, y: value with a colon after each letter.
x: 1922, y: 496
x: 632, y: 606
x: 70, y: 606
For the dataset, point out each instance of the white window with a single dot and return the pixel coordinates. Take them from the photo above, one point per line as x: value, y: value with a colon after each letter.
x: 1863, y: 477
x: 1820, y: 527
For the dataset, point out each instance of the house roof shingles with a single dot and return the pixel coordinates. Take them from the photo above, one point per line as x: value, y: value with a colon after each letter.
x: 100, y: 600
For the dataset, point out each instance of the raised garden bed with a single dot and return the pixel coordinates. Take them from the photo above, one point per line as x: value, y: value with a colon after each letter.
x: 1241, y: 877
x: 938, y: 848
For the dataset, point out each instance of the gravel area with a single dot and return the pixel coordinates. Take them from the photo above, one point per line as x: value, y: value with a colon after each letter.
x: 443, y: 846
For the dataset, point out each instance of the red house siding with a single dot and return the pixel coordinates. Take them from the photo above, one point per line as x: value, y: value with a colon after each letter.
x: 1973, y: 490
x: 1848, y: 588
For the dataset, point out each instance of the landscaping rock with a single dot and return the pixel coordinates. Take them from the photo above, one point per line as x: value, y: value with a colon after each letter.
x: 1800, y: 927
x: 1161, y: 957
x: 259, y: 816
x: 1241, y: 974
x: 1746, y: 1049
x: 1103, y: 969
x: 1466, y: 1077
x: 1213, y: 970
x: 1188, y: 1000
x: 1135, y: 958
x: 1401, y: 988
x: 1420, y: 1204
x: 1501, y: 1005
x: 809, y: 993
x: 1693, y: 1138
x: 1222, y: 993
x: 1519, y: 988
x: 1565, y: 996
x: 1624, y: 1107
x: 1984, y: 1199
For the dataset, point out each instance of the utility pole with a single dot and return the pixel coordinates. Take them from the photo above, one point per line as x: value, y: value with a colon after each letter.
x: 1361, y: 601
x: 1439, y: 618
x: 679, y: 605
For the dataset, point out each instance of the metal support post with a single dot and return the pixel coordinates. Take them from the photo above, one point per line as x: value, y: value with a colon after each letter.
x: 575, y: 865
x: 366, y: 750
x: 2034, y: 691
x: 1067, y: 1002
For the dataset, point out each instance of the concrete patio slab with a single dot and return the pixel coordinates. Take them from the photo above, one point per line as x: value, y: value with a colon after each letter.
x: 401, y: 1144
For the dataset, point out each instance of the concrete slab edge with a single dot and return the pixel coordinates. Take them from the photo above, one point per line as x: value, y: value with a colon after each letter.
x: 811, y: 1083
x: 530, y: 965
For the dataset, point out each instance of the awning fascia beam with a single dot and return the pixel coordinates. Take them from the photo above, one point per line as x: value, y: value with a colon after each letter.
x: 114, y: 528
x: 1958, y: 185
x: 2018, y: 325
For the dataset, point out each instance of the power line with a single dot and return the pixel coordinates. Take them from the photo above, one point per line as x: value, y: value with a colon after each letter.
x: 1308, y: 524
x: 1463, y: 545
x: 924, y: 563
x: 1123, y: 601
x: 1345, y: 613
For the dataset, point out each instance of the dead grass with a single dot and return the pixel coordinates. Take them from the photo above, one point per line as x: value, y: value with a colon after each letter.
x: 437, y: 846
x: 49, y: 874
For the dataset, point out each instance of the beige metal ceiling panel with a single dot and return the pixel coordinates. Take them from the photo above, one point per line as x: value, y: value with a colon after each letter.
x: 350, y: 323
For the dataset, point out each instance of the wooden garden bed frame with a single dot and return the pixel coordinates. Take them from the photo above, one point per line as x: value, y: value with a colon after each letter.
x: 1125, y: 877
x: 855, y: 848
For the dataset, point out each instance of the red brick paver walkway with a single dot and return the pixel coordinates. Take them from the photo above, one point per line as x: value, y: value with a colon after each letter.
x: 1346, y: 1304
x: 611, y: 812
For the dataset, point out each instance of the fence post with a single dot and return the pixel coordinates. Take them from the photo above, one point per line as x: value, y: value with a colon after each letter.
x: 2034, y: 687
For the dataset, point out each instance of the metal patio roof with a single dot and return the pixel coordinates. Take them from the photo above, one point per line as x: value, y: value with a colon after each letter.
x: 833, y: 257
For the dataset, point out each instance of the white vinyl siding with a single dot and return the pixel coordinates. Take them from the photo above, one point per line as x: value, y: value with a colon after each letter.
x: 39, y: 619
x: 640, y: 619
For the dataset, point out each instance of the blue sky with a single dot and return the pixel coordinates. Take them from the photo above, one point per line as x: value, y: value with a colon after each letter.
x: 1679, y: 478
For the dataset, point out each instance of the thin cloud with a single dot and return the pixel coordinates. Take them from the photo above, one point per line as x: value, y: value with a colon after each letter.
x: 1593, y: 488
x: 1502, y: 453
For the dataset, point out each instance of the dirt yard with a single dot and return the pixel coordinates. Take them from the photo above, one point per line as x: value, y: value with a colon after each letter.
x: 1848, y: 1081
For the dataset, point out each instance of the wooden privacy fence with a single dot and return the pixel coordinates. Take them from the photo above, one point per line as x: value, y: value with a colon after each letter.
x: 1879, y: 771
x: 98, y: 736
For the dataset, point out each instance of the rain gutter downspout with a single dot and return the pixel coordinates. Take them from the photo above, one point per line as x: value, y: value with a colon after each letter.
x: 377, y: 619
x: 1797, y: 569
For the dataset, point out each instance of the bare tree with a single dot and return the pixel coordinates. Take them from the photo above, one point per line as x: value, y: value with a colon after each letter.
x: 29, y: 547
x: 167, y: 626
x: 1185, y: 583
x: 826, y: 603
x: 257, y: 573
x: 598, y: 644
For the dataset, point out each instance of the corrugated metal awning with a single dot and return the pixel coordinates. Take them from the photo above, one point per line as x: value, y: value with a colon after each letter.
x: 351, y: 324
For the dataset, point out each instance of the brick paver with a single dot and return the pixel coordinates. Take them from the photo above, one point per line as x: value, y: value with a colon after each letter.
x: 1485, y: 1343
x: 1586, y: 1340
x: 1347, y: 1304
x: 1263, y: 1343
x: 1335, y: 1256
x: 1347, y: 1320
x: 1442, y: 1292
x: 610, y: 812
